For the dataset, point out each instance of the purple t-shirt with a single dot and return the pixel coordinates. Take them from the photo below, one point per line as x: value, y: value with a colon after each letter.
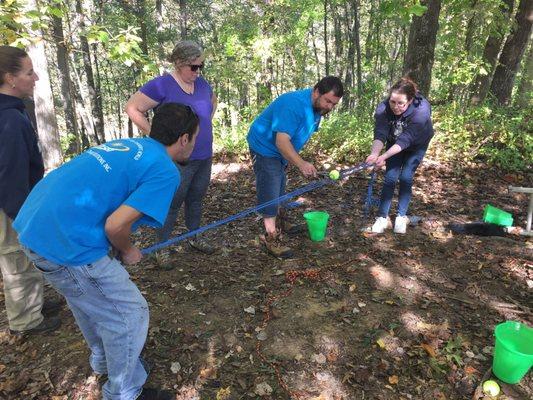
x: 165, y: 89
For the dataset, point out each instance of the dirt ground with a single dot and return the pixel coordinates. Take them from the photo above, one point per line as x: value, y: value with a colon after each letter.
x: 353, y: 317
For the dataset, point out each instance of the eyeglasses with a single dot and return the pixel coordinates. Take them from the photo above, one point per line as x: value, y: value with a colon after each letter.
x: 196, y: 67
x: 399, y: 104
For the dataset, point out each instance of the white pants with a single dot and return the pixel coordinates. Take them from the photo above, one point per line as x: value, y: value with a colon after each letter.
x: 23, y: 283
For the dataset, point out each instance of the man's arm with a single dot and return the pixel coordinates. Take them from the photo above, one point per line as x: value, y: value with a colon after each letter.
x: 285, y: 147
x: 118, y: 229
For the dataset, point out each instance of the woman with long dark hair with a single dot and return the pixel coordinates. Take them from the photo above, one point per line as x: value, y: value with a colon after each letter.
x: 403, y: 126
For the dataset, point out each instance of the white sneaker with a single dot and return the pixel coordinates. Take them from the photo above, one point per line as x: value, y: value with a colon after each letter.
x: 400, y: 224
x: 380, y: 225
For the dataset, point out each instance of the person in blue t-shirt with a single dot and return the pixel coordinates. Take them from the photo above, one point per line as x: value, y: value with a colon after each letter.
x: 402, y: 124
x: 276, y: 137
x: 89, y: 206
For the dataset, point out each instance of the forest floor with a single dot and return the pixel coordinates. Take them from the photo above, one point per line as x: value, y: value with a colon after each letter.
x: 363, y: 317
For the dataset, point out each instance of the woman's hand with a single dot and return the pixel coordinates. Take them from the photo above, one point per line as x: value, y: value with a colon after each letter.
x: 371, y: 159
x: 380, y: 161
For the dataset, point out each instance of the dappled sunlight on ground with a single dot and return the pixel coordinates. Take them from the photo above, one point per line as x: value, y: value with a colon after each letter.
x: 223, y: 172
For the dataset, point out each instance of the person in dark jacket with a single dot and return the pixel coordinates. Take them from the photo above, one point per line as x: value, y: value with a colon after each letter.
x: 21, y: 167
x: 403, y: 126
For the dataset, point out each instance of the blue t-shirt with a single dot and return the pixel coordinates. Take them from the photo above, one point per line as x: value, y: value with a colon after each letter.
x: 165, y: 89
x: 291, y: 113
x: 64, y: 216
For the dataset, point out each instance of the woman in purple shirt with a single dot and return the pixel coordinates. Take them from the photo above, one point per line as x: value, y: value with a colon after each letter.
x: 183, y: 85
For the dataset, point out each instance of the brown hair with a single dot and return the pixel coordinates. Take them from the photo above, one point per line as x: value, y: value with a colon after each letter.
x: 10, y: 61
x: 405, y: 86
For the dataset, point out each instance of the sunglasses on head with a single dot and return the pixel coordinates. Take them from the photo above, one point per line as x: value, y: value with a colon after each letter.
x: 196, y: 67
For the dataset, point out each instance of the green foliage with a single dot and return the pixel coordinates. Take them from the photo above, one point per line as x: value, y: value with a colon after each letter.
x: 344, y: 137
x: 494, y: 135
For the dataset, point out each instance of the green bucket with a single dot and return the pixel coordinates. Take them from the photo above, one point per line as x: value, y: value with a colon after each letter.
x: 496, y: 216
x: 317, y: 223
x: 513, y: 353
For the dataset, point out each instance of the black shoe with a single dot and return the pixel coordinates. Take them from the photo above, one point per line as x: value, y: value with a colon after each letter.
x: 155, y: 394
x: 47, y: 325
x: 52, y: 306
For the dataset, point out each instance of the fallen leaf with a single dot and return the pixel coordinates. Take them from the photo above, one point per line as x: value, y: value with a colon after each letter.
x: 393, y: 380
x: 175, y: 367
x: 263, y: 389
x: 469, y: 370
x: 224, y: 393
x: 319, y: 358
x: 429, y: 349
x: 250, y: 310
x: 380, y: 343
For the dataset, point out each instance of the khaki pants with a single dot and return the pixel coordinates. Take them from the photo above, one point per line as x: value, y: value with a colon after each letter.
x: 23, y: 283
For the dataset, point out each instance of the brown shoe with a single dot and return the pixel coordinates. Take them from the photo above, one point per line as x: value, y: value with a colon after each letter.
x: 275, y: 246
x: 162, y: 260
x: 285, y: 226
x: 199, y: 243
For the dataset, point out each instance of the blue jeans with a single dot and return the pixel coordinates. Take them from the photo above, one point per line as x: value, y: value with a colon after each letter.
x: 402, y: 167
x: 112, y: 315
x: 195, y: 178
x: 270, y: 179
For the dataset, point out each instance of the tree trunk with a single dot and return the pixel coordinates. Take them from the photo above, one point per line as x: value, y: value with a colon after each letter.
x: 141, y: 13
x: 83, y: 108
x: 490, y: 53
x: 357, y: 28
x: 326, y: 53
x: 512, y: 53
x: 348, y: 101
x: 525, y: 90
x: 420, y: 54
x: 96, y: 104
x: 44, y: 101
x: 183, y: 18
x: 337, y: 28
x: 63, y: 74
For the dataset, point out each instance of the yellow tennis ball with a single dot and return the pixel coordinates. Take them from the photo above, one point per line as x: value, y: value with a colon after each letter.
x: 491, y: 388
x: 334, y: 175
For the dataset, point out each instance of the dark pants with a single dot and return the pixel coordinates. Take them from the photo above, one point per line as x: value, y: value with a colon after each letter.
x: 270, y: 179
x: 195, y: 178
x: 402, y: 167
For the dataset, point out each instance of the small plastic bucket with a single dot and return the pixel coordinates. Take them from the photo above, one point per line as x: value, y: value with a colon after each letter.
x: 496, y: 216
x: 513, y: 352
x: 317, y: 223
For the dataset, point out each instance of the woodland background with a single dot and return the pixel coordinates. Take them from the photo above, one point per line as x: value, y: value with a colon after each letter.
x: 472, y: 58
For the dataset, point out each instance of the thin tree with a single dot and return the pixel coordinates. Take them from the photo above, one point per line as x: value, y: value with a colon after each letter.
x: 525, y: 90
x: 512, y: 53
x: 63, y: 74
x: 326, y: 52
x: 491, y: 51
x: 420, y: 54
x: 44, y: 101
x: 95, y: 96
